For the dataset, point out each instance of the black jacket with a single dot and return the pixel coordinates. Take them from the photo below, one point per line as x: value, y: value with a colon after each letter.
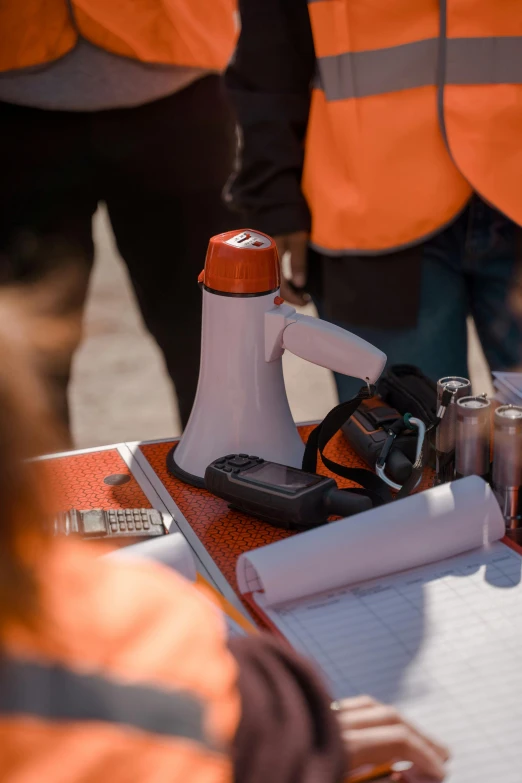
x: 269, y: 83
x: 287, y: 730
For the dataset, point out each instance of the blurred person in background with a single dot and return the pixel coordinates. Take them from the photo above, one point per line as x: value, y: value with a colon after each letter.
x: 516, y: 301
x: 120, y: 671
x: 118, y: 102
x: 381, y: 146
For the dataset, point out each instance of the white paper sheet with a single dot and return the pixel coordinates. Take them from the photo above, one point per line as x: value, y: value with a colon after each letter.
x: 423, y: 528
x: 417, y: 604
x: 508, y: 386
x: 441, y: 642
x: 171, y: 550
x: 512, y: 380
x: 174, y: 552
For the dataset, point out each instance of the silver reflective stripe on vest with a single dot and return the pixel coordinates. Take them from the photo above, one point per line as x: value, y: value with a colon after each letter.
x: 359, y: 74
x: 56, y: 693
x: 380, y: 71
x: 484, y: 60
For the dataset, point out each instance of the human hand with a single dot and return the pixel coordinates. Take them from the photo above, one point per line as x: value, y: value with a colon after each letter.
x: 296, y: 245
x: 376, y: 734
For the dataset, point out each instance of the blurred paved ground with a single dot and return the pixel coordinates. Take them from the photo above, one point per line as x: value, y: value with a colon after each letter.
x: 120, y: 390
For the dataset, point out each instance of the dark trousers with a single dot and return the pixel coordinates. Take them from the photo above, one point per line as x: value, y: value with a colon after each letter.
x: 467, y: 269
x: 160, y: 169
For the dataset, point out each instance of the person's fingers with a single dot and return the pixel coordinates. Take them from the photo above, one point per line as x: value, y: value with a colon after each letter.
x: 384, y: 744
x: 376, y: 714
x: 297, y: 298
x: 355, y: 703
x: 298, y: 247
x: 371, y: 715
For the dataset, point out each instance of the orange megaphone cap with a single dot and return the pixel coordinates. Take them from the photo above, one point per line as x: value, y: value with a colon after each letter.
x: 242, y: 262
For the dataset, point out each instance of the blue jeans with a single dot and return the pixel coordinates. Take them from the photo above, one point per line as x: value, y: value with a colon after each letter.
x: 466, y: 270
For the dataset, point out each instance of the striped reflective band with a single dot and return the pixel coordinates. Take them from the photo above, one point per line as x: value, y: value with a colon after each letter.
x: 55, y: 693
x: 468, y: 61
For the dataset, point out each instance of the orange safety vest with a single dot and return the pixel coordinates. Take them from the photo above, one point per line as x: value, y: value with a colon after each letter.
x: 417, y: 103
x: 126, y: 675
x: 195, y: 33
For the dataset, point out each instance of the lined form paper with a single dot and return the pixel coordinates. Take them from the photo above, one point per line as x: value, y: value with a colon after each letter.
x: 442, y: 522
x: 442, y: 642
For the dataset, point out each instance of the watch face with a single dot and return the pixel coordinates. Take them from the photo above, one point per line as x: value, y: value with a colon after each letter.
x: 93, y: 523
x: 281, y: 476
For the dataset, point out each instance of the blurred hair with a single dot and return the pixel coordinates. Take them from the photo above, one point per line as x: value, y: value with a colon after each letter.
x: 29, y: 336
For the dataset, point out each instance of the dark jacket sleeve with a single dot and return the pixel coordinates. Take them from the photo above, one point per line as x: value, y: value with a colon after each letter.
x: 269, y: 82
x: 287, y: 730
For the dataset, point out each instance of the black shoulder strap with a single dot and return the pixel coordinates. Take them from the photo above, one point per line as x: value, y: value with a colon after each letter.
x: 372, y: 486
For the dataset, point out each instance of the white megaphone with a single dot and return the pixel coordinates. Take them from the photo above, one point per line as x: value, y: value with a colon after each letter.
x: 241, y: 404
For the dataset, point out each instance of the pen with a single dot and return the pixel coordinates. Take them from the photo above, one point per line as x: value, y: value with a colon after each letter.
x: 227, y: 607
x: 381, y: 772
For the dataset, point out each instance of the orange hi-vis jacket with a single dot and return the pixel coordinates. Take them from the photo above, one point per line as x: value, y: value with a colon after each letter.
x: 196, y: 33
x: 126, y: 677
x: 416, y: 104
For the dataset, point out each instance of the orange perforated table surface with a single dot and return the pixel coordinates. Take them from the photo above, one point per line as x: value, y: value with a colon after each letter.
x: 223, y: 532
x: 95, y: 479
x: 103, y: 479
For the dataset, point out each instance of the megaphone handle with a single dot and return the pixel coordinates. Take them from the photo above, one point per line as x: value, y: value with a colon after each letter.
x: 327, y: 345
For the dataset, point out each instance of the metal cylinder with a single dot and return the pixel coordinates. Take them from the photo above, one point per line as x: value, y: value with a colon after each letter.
x: 446, y: 432
x: 473, y: 436
x: 507, y: 466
